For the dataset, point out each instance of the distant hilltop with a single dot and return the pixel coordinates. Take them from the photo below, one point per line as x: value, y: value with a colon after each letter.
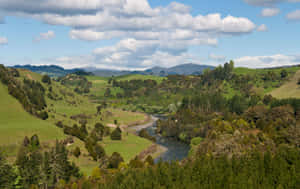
x: 184, y: 69
x: 57, y: 71
x: 51, y: 70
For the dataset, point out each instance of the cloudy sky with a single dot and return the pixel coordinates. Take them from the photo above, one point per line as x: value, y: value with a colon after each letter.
x: 139, y: 34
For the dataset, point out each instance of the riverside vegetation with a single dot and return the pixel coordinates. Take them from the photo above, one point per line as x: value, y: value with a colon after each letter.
x: 243, y: 132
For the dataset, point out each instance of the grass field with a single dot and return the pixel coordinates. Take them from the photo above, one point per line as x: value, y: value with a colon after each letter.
x: 141, y: 77
x: 289, y: 90
x: 129, y: 147
x: 16, y: 123
x: 250, y: 71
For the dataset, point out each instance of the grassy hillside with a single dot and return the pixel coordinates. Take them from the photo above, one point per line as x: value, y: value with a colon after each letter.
x: 16, y: 123
x: 289, y: 90
x: 141, y: 77
x: 250, y: 71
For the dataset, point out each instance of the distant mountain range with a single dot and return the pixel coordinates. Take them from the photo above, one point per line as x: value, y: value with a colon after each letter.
x: 184, y: 69
x: 52, y: 70
x: 56, y: 71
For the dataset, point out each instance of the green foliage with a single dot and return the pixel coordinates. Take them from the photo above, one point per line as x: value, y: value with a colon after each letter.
x: 115, y: 160
x: 196, y: 141
x: 76, y: 152
x: 46, y: 79
x: 116, y: 134
x: 7, y: 175
x: 144, y: 133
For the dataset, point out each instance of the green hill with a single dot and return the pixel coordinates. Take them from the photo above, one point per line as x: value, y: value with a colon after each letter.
x: 16, y: 123
x: 288, y: 90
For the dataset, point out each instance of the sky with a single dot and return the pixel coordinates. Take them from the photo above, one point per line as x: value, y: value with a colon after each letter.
x: 140, y: 34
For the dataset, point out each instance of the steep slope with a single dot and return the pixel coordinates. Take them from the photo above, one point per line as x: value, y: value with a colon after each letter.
x: 16, y: 123
x: 290, y: 89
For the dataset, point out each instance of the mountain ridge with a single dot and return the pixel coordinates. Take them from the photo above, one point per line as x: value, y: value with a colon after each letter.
x: 57, y: 71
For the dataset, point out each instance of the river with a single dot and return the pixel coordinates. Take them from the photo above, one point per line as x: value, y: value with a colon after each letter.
x: 176, y: 150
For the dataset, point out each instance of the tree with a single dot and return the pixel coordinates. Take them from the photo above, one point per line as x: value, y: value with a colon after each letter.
x: 115, y: 160
x: 26, y: 141
x: 149, y: 160
x: 46, y: 79
x: 34, y: 141
x: 299, y: 81
x: 7, y: 176
x: 116, y: 134
x: 76, y: 152
x: 283, y: 74
x: 107, y: 92
x: 99, y: 150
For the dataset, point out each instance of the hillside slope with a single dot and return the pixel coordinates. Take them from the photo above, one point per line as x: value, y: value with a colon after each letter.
x: 290, y: 89
x: 16, y: 123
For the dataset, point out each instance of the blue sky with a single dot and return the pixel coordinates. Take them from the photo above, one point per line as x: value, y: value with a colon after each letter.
x: 131, y: 34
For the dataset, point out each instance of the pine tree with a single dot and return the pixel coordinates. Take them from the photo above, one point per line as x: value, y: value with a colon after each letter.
x: 7, y: 176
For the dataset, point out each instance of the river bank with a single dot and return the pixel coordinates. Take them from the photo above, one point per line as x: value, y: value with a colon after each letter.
x: 164, y: 149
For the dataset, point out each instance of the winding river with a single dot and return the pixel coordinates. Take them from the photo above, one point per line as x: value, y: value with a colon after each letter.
x: 175, y: 150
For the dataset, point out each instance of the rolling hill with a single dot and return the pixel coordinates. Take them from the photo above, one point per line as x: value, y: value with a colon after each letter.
x: 16, y: 123
x: 184, y: 69
x: 288, y: 90
x: 52, y: 70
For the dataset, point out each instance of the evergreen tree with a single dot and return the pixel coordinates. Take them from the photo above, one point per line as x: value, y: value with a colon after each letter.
x: 7, y: 176
x: 46, y: 79
x: 116, y: 134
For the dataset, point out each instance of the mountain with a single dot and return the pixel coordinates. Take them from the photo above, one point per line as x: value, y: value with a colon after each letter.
x: 52, y: 70
x: 184, y: 69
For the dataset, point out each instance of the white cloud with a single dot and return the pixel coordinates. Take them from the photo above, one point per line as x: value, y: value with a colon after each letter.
x: 269, y: 12
x: 269, y: 3
x: 166, y: 31
x: 294, y: 16
x: 218, y: 58
x: 3, y: 41
x: 262, y: 28
x: 45, y: 36
x: 267, y: 61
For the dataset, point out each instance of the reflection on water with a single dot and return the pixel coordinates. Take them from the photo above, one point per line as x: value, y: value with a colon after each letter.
x: 176, y: 150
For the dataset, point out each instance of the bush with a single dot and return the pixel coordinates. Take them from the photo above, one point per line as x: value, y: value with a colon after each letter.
x: 46, y: 79
x: 116, y: 134
x: 143, y: 133
x: 76, y: 152
x: 115, y: 160
x: 99, y: 150
x: 196, y: 141
x: 43, y: 115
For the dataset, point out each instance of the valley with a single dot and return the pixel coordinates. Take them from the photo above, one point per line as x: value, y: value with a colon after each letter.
x: 223, y: 113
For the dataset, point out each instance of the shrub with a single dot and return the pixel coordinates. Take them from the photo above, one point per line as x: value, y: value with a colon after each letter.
x: 115, y: 160
x: 43, y: 115
x: 76, y: 152
x: 46, y: 79
x: 196, y: 141
x: 116, y: 134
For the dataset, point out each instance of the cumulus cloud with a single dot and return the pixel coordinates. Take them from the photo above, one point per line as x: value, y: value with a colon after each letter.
x: 219, y: 58
x: 166, y: 30
x: 267, y: 61
x: 45, y: 36
x: 269, y: 12
x: 3, y: 41
x: 269, y: 3
x: 294, y: 16
x: 262, y: 28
